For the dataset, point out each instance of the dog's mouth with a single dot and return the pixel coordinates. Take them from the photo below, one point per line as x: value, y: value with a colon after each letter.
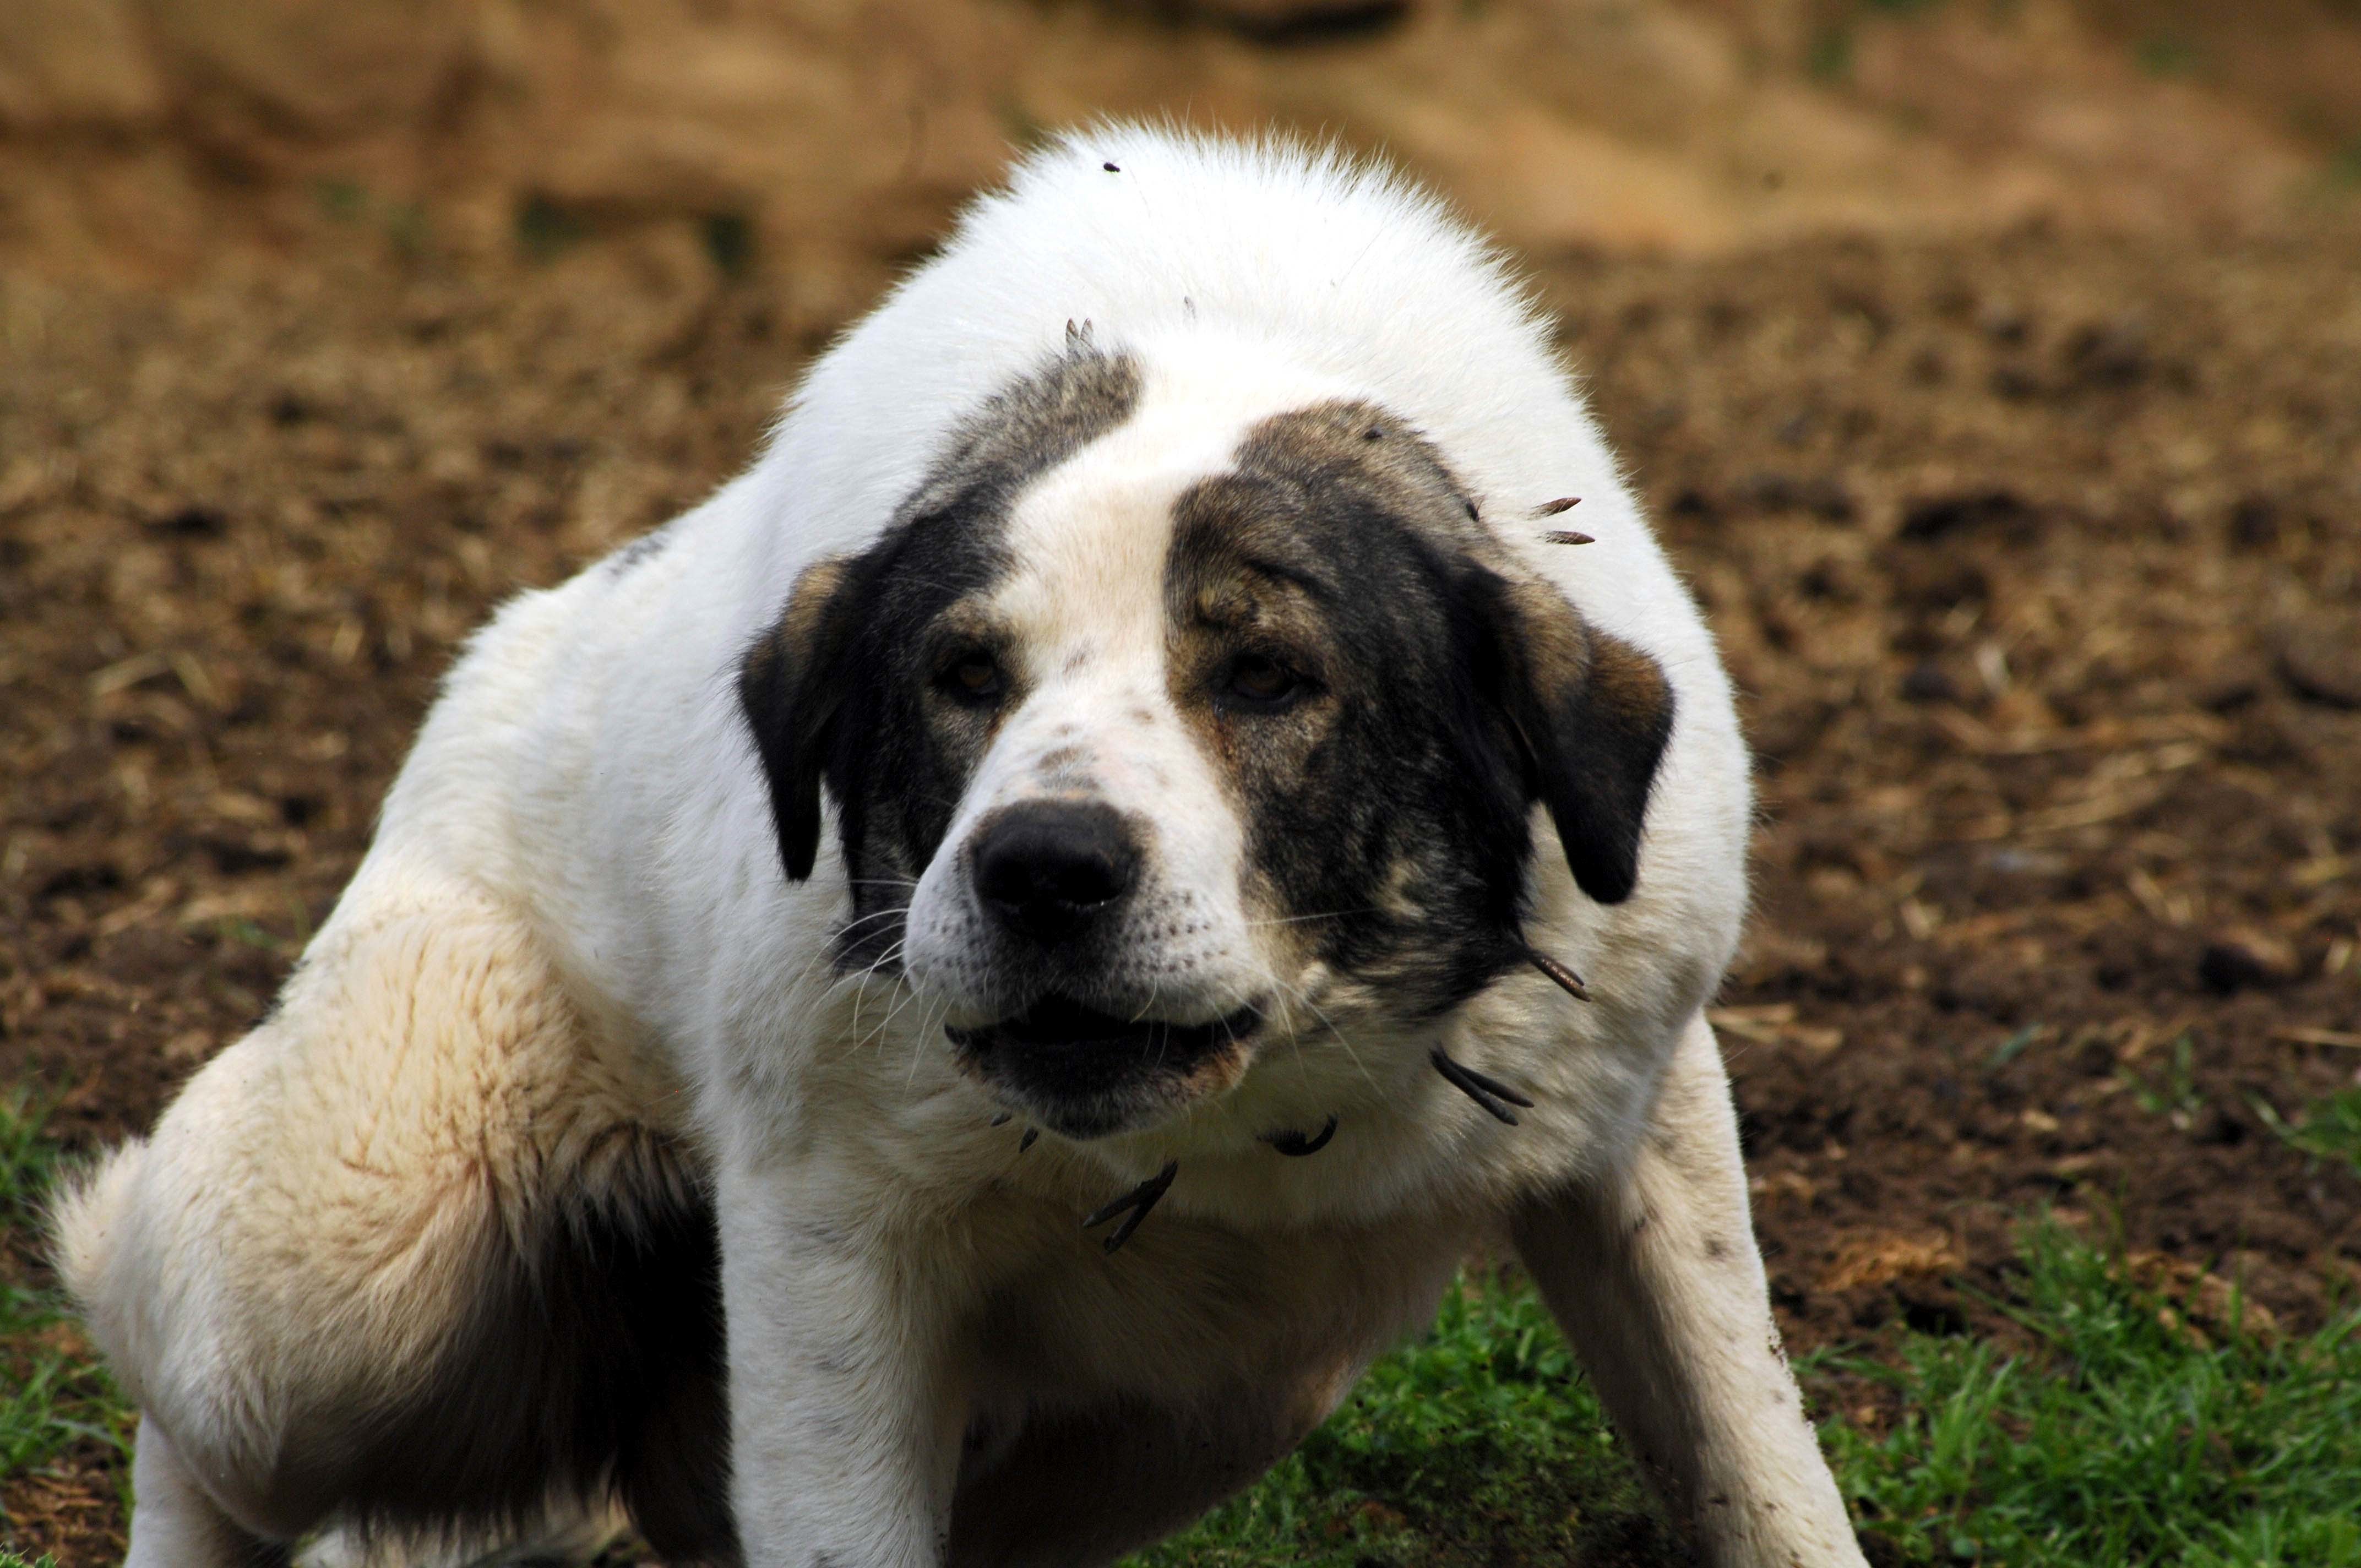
x: 1087, y: 1073
x: 1060, y: 1023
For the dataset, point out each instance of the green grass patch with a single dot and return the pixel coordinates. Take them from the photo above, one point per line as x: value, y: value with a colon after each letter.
x: 2328, y: 1129
x: 2127, y: 1440
x: 27, y: 1159
x: 2173, y: 1094
x: 53, y: 1391
x: 2130, y: 1439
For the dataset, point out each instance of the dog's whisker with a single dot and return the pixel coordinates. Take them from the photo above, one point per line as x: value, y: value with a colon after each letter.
x: 892, y: 939
x: 918, y: 1038
x: 861, y: 992
x: 858, y: 921
x: 1295, y: 1146
x: 1487, y: 1091
x: 1027, y: 1141
x: 1351, y: 1054
x: 1137, y: 1202
x: 930, y: 1015
x: 1550, y: 509
x: 1303, y: 1062
x: 833, y: 950
x: 1004, y: 1118
x: 1568, y: 536
x: 1323, y: 915
x: 891, y: 951
x: 1567, y: 980
x: 923, y: 1034
x: 859, y: 981
x: 822, y: 953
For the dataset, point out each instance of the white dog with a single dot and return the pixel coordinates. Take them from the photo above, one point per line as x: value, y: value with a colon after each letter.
x: 1227, y: 771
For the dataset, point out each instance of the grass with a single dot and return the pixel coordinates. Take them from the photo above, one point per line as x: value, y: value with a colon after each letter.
x: 2329, y: 1129
x: 2175, y: 1095
x: 53, y: 1393
x: 2119, y: 1434
x: 2129, y: 1437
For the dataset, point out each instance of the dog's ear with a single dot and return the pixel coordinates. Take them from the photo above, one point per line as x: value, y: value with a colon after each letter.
x: 1591, y: 715
x: 790, y: 685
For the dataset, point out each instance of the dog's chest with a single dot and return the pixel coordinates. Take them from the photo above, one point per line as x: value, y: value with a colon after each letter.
x: 1187, y: 1311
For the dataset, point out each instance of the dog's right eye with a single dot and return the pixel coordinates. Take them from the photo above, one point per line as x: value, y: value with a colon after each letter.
x: 1259, y: 684
x: 971, y: 677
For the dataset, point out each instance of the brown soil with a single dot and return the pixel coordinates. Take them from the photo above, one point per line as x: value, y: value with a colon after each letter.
x: 2035, y: 555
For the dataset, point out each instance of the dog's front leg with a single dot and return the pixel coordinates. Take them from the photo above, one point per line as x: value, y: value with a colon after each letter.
x: 1655, y: 1278
x: 845, y: 1407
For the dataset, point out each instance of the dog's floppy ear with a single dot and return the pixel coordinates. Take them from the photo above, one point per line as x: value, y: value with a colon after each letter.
x: 1591, y: 715
x: 789, y: 687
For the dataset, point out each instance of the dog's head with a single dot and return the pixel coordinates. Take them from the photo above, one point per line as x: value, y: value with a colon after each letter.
x: 1153, y: 733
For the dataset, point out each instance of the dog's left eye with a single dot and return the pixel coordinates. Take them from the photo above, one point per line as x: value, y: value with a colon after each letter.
x: 973, y: 676
x: 1259, y: 681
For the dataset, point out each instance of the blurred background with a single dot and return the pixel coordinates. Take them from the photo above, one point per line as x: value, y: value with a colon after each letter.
x: 144, y: 138
x: 1991, y: 366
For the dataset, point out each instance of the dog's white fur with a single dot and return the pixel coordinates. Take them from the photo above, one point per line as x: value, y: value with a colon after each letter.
x: 572, y: 930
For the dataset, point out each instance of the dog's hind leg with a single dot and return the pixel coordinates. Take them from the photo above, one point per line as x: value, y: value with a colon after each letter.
x: 180, y: 1526
x: 409, y: 1255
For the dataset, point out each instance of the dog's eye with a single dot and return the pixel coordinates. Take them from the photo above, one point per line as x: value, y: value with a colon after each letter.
x: 972, y: 676
x: 1259, y: 681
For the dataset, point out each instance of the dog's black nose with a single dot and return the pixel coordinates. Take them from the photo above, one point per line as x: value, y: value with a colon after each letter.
x: 1048, y: 868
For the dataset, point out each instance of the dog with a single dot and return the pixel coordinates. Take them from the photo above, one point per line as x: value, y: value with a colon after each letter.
x: 943, y: 1005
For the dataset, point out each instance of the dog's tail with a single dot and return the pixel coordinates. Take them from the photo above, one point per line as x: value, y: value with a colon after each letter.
x: 87, y: 1217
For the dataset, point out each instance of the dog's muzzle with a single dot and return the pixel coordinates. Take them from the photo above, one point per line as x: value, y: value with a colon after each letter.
x: 1057, y: 882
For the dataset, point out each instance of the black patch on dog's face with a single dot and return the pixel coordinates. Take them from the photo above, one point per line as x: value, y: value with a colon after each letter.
x: 861, y: 682
x: 1388, y: 706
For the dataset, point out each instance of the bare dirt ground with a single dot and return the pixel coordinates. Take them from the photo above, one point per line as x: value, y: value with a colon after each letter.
x: 2038, y: 558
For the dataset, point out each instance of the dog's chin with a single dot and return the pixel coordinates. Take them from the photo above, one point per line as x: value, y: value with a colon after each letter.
x: 1086, y: 1074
